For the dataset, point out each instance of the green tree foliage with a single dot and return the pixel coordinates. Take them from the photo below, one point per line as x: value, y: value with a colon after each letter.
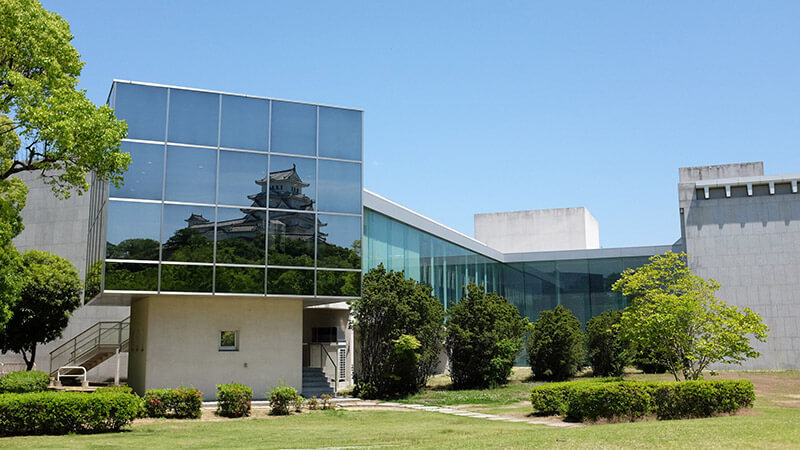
x: 50, y: 292
x: 400, y: 326
x: 484, y: 336
x: 675, y: 317
x: 555, y: 345
x: 608, y: 354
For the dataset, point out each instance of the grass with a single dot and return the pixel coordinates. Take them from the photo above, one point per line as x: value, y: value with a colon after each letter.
x: 772, y: 423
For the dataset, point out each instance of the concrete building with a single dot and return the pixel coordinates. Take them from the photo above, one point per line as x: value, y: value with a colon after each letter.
x: 243, y: 229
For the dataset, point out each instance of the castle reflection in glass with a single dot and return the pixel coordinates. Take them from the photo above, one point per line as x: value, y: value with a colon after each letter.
x: 229, y: 194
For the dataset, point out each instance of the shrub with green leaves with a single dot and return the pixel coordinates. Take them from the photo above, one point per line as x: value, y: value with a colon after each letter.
x: 118, y: 388
x: 22, y: 382
x: 484, y: 336
x: 281, y: 399
x: 608, y: 354
x: 233, y: 400
x: 180, y: 403
x: 555, y: 345
x: 702, y: 398
x: 553, y: 398
x: 66, y: 412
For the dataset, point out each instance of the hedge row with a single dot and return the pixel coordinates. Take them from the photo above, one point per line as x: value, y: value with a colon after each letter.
x: 593, y: 400
x: 180, y: 403
x: 66, y: 412
x: 22, y: 382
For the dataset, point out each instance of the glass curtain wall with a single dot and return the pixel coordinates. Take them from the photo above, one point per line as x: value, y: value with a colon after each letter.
x: 230, y: 194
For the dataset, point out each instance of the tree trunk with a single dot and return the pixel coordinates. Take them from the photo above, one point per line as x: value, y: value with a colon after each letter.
x: 29, y: 362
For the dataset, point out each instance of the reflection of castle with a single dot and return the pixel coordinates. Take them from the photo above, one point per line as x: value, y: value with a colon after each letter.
x: 281, y: 190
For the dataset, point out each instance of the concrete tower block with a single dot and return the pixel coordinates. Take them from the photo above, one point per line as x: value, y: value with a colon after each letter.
x: 538, y: 230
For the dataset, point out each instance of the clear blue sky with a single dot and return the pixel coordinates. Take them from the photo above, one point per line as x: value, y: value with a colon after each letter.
x: 493, y: 106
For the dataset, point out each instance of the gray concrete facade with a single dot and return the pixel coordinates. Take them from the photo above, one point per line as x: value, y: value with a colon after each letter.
x: 742, y: 229
x: 539, y: 230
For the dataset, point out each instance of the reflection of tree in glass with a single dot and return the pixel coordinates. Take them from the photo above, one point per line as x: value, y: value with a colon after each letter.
x: 340, y: 284
x: 290, y: 281
x: 131, y: 277
x: 334, y: 256
x: 188, y: 244
x: 137, y: 248
x: 93, y: 280
x: 186, y: 278
x: 240, y: 280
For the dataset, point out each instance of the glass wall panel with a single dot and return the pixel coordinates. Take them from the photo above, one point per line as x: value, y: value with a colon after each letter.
x: 131, y: 277
x: 603, y: 273
x: 338, y: 284
x: 144, y: 108
x: 293, y: 183
x: 179, y: 278
x: 294, y: 128
x: 339, y: 241
x: 143, y: 179
x: 291, y: 239
x: 339, y: 187
x: 573, y: 277
x: 188, y: 234
x: 133, y: 230
x: 193, y: 117
x: 290, y: 281
x: 239, y: 280
x: 340, y: 133
x: 241, y: 236
x: 242, y: 178
x: 245, y: 123
x: 191, y: 174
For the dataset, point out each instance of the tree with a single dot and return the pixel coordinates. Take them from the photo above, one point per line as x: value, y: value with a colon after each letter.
x: 484, y: 336
x: 400, y: 326
x: 676, y: 319
x: 608, y: 353
x: 555, y: 345
x: 51, y: 291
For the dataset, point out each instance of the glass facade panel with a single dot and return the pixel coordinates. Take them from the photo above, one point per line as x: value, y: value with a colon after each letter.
x: 239, y: 280
x: 340, y: 133
x: 338, y: 283
x: 339, y: 187
x: 245, y: 123
x: 293, y: 183
x: 144, y: 178
x: 242, y: 178
x: 193, y: 117
x: 191, y: 174
x: 188, y: 234
x: 294, y: 128
x: 241, y: 235
x: 290, y: 282
x: 133, y: 230
x: 291, y: 239
x: 131, y: 277
x: 339, y: 241
x: 179, y: 278
x: 144, y: 108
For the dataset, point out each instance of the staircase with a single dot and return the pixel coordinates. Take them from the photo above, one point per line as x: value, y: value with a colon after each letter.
x: 91, y: 347
x: 315, y: 383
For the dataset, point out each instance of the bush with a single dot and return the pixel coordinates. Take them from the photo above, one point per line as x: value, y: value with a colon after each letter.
x: 281, y: 399
x: 400, y: 326
x: 65, y: 412
x: 120, y: 388
x: 484, y: 337
x: 628, y: 400
x: 608, y: 354
x: 22, y: 382
x: 555, y: 345
x: 180, y: 403
x: 233, y: 400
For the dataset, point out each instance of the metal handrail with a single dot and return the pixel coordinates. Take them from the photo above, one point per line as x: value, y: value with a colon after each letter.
x: 101, y: 334
x: 59, y: 375
x: 333, y: 362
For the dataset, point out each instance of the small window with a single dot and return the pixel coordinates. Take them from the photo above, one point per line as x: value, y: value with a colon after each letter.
x: 323, y: 334
x: 228, y: 341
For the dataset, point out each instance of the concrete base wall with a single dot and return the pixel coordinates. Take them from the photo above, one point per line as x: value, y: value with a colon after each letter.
x: 175, y: 341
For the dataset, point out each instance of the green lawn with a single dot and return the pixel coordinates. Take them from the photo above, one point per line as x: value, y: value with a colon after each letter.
x: 774, y: 422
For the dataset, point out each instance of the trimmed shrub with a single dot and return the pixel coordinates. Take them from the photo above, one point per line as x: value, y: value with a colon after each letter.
x: 66, y: 412
x: 180, y: 403
x: 120, y: 388
x: 233, y: 400
x: 484, y: 336
x: 629, y: 400
x: 608, y: 354
x: 22, y: 382
x: 281, y: 399
x: 555, y: 345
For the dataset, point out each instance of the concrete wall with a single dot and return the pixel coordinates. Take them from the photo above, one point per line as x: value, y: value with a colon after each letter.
x: 177, y: 342
x: 61, y: 227
x: 538, y: 230
x: 751, y: 246
x: 700, y: 173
